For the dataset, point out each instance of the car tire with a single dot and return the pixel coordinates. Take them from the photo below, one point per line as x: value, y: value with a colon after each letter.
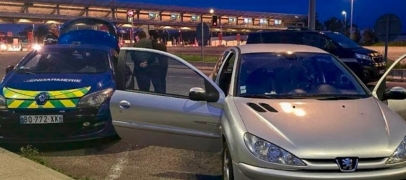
x: 227, y: 164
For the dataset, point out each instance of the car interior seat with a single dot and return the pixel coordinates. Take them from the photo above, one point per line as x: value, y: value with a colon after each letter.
x: 259, y: 82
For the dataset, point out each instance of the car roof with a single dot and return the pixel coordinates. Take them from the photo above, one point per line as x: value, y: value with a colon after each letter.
x: 80, y: 46
x: 278, y: 47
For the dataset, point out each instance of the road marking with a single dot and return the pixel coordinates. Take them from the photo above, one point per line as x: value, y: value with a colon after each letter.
x: 117, y: 169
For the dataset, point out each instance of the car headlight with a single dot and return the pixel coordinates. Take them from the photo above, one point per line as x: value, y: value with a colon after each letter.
x: 3, y: 47
x: 37, y: 47
x: 95, y: 99
x: 2, y: 102
x: 361, y: 56
x: 269, y: 152
x: 399, y: 155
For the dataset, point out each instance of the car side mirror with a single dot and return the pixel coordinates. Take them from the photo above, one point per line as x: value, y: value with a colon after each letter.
x: 396, y: 93
x: 197, y: 94
x: 9, y: 68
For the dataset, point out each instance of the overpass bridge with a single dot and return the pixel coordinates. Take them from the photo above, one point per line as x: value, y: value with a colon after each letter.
x: 158, y: 16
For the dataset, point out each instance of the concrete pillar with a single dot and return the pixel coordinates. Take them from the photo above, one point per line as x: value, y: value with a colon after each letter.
x: 312, y: 15
x: 113, y: 13
x: 87, y: 11
x: 58, y: 10
x: 138, y: 14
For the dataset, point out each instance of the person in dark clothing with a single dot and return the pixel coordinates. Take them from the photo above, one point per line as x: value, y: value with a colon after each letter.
x: 146, y: 66
x: 163, y: 61
x: 52, y: 36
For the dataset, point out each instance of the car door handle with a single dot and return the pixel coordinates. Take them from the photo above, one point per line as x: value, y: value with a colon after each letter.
x: 124, y: 104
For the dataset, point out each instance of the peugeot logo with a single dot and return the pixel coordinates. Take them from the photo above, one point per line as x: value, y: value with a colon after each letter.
x: 42, y: 98
x: 347, y: 164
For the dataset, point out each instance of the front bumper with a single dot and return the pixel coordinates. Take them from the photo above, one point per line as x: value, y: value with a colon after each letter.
x: 246, y: 172
x: 374, y: 72
x: 72, y: 128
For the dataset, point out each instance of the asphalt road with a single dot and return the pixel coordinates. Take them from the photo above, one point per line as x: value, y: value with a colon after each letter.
x: 114, y: 160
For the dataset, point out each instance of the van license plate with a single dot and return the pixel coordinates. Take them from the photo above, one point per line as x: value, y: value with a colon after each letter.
x: 41, y: 119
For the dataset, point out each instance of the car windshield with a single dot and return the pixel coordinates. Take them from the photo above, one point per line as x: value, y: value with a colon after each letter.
x: 296, y: 75
x: 344, y: 41
x: 65, y: 60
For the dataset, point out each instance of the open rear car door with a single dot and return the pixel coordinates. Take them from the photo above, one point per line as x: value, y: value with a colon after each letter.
x: 89, y: 31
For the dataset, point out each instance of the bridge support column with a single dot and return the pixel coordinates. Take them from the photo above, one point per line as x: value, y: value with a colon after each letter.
x: 113, y: 13
x: 87, y: 11
x: 138, y: 14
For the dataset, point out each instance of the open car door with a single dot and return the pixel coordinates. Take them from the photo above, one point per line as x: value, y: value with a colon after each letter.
x: 185, y: 113
x: 89, y: 30
x: 391, y: 88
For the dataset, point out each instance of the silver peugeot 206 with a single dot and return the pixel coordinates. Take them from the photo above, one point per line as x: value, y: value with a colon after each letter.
x: 275, y: 111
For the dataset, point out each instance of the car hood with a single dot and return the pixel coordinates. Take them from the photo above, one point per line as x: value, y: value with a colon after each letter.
x: 56, y: 82
x: 364, y: 51
x: 312, y: 128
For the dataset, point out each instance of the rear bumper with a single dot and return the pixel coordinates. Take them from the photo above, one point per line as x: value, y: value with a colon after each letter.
x: 78, y: 125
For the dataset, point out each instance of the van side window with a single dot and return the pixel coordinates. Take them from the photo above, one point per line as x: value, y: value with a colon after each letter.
x: 316, y: 40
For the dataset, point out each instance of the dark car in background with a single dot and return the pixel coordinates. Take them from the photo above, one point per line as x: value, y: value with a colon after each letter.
x: 369, y: 65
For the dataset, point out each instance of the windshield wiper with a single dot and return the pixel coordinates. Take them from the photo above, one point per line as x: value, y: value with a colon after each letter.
x: 339, y: 97
x: 259, y: 96
x: 25, y: 71
x: 273, y: 96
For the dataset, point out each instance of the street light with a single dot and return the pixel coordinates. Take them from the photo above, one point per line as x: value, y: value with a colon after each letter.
x: 352, y: 11
x: 211, y: 11
x: 345, y: 20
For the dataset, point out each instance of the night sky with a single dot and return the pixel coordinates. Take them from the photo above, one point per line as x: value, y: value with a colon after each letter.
x: 366, y: 12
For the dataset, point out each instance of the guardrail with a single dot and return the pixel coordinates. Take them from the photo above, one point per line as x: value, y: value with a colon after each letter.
x: 398, y: 75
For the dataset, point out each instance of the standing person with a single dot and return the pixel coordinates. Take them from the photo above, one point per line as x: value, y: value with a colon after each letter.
x: 146, y: 65
x: 163, y: 61
x: 52, y: 36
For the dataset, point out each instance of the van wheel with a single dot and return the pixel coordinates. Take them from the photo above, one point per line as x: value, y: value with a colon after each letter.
x: 366, y: 75
x: 228, y: 173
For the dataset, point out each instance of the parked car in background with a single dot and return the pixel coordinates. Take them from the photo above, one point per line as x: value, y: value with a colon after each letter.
x: 368, y: 64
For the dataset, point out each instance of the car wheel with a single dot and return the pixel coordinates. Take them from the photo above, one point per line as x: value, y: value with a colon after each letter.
x: 228, y: 173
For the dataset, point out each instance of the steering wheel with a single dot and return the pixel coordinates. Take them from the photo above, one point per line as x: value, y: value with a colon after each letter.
x: 325, y: 89
x: 342, y: 80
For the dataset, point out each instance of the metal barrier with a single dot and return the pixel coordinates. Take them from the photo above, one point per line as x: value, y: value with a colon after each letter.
x: 397, y: 75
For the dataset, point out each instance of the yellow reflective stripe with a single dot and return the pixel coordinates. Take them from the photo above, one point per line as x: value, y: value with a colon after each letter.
x: 67, y: 103
x: 15, y: 104
x: 33, y: 105
x: 13, y: 95
x: 48, y: 105
x: 57, y: 95
x: 24, y: 92
x: 78, y: 93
